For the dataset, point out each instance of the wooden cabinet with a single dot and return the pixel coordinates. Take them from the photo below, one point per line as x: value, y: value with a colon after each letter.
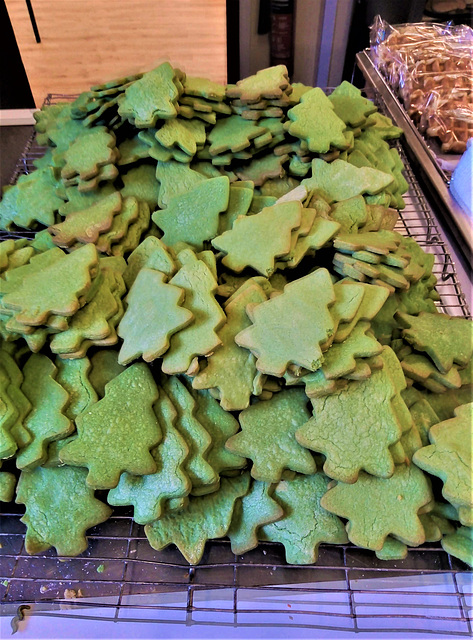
x: 84, y: 42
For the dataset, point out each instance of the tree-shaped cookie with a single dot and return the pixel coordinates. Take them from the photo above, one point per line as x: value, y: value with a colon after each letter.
x: 18, y: 431
x: 93, y: 149
x: 233, y: 134
x: 352, y: 432
x: 106, y: 444
x: 446, y: 339
x: 350, y: 106
x: 153, y: 314
x: 205, y: 517
x: 460, y: 544
x: 290, y: 328
x: 253, y: 511
x: 199, y: 338
x: 197, y: 438
x: 256, y: 241
x: 231, y: 369
x: 339, y: 180
x: 149, y: 494
x: 54, y: 289
x: 315, y: 121
x: 72, y: 375
x: 449, y: 456
x: 220, y: 425
x: 152, y: 253
x: 47, y: 420
x: 175, y: 179
x: 267, y: 436
x: 32, y: 199
x: 188, y: 135
x: 305, y: 523
x: 266, y: 83
x: 193, y: 217
x: 151, y: 97
x: 85, y: 225
x: 378, y: 507
x: 8, y: 417
x: 60, y: 507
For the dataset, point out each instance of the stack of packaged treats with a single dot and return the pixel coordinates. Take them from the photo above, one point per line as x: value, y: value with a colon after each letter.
x: 430, y: 65
x: 217, y: 324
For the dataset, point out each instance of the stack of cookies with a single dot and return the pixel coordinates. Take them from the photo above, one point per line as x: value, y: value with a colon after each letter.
x: 230, y: 276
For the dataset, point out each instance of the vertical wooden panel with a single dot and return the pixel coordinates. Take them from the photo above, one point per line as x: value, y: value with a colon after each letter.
x: 84, y: 42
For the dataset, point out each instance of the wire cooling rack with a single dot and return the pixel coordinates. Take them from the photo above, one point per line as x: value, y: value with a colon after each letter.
x: 121, y: 578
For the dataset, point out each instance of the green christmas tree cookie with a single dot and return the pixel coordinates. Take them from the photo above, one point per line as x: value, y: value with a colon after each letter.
x: 199, y: 338
x: 449, y: 457
x: 153, y: 314
x: 193, y: 217
x: 150, y: 493
x: 267, y: 436
x: 46, y: 421
x: 378, y: 507
x: 60, y: 507
x: 446, y: 339
x: 253, y: 511
x: 315, y: 121
x: 290, y: 327
x: 205, y: 518
x: 256, y: 241
x: 151, y: 97
x: 231, y: 369
x: 300, y: 500
x: 343, y: 425
x: 105, y: 443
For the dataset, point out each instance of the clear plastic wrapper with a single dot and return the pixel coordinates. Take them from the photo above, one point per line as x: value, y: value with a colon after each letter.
x: 431, y: 68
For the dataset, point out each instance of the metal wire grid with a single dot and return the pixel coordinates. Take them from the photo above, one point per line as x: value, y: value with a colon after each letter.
x: 120, y: 577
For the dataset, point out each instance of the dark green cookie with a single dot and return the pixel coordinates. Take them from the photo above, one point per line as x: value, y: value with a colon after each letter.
x: 60, y: 507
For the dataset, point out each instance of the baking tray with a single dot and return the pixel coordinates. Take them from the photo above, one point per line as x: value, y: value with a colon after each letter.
x: 121, y: 578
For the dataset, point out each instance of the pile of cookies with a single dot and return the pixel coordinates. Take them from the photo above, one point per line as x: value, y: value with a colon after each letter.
x: 221, y: 328
x: 431, y: 67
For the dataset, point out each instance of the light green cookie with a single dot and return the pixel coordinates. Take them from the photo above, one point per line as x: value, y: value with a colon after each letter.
x: 256, y: 241
x: 175, y: 179
x: 267, y: 436
x: 342, y: 426
x: 47, y: 420
x: 152, y: 253
x: 300, y: 499
x: 315, y: 121
x: 205, y: 517
x: 230, y: 369
x: 193, y: 217
x: 197, y: 438
x: 149, y: 494
x: 199, y: 338
x: 339, y: 180
x: 253, y: 511
x: 105, y: 367
x: 153, y: 314
x: 105, y: 444
x: 449, y: 457
x: 290, y: 327
x: 378, y: 507
x: 72, y: 375
x: 151, y: 97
